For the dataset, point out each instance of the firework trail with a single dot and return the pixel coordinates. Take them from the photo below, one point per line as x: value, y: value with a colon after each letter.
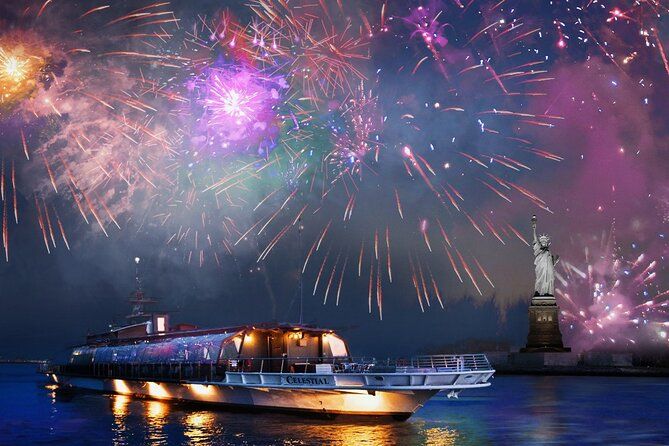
x: 320, y: 43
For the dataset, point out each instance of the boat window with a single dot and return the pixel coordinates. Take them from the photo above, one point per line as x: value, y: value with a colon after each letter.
x: 333, y: 346
x: 83, y: 355
x: 185, y: 349
x: 160, y: 321
x: 231, y: 349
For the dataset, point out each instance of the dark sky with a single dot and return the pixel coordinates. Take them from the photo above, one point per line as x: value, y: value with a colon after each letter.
x: 584, y: 148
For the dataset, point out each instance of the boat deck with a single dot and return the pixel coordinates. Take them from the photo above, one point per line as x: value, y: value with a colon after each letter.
x: 436, y: 372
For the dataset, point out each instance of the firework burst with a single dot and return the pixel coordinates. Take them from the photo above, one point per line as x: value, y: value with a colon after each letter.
x: 240, y: 109
x: 610, y: 300
x: 23, y: 68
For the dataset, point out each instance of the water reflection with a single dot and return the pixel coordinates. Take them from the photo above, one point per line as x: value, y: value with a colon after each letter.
x: 296, y: 430
x: 156, y: 416
x: 53, y: 407
x: 120, y: 411
x: 436, y: 436
x: 158, y: 422
x: 200, y: 427
x: 120, y: 406
x: 341, y: 433
x: 545, y: 427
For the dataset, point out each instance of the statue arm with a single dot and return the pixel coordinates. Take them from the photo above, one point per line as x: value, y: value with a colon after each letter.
x: 534, y: 233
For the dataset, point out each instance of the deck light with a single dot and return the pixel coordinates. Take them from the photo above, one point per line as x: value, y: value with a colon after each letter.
x: 203, y: 389
x: 157, y: 391
x: 120, y: 386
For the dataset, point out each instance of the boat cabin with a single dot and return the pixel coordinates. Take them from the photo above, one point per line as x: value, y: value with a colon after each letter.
x: 283, y: 348
x: 267, y: 348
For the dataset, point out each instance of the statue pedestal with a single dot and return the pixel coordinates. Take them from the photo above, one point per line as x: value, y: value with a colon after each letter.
x: 544, y: 335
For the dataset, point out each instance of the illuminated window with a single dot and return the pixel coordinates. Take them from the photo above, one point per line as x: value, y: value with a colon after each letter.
x: 160, y: 324
x: 337, y: 346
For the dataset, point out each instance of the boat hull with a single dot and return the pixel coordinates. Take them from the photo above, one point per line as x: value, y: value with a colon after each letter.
x: 399, y: 404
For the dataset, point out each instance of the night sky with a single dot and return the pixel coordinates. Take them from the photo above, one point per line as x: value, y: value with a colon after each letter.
x: 393, y: 151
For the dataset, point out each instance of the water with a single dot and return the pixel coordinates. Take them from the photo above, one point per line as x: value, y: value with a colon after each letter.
x: 516, y: 410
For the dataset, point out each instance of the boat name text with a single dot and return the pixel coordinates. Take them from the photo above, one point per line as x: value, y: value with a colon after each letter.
x: 306, y: 380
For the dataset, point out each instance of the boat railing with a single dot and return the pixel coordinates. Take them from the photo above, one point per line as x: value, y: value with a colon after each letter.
x: 348, y: 364
x: 213, y: 371
x: 466, y: 362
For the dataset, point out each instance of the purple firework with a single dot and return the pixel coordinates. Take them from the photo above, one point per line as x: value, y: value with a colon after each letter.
x: 239, y: 109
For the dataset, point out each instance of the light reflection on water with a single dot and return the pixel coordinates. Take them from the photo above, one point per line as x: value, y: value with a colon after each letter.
x: 515, y: 410
x: 200, y: 427
x: 166, y: 422
x: 157, y: 413
x: 120, y: 411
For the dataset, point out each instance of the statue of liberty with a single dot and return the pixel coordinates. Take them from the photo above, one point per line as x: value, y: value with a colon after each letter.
x: 544, y: 263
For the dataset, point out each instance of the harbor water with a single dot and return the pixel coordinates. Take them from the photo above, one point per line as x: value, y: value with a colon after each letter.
x: 516, y: 410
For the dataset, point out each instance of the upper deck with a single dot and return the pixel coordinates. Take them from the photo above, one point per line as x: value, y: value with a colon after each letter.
x: 216, y: 346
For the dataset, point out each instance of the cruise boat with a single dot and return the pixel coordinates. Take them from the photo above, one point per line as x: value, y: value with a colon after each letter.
x: 285, y: 367
x: 274, y: 366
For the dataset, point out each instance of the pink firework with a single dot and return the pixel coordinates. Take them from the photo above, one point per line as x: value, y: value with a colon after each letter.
x: 611, y: 300
x: 239, y: 109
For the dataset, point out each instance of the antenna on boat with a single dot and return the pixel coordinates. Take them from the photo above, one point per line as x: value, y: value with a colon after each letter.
x: 137, y: 298
x: 300, y: 227
x: 138, y: 278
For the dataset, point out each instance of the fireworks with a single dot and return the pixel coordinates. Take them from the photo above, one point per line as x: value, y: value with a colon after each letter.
x: 356, y: 126
x: 240, y: 108
x: 391, y: 140
x: 242, y: 138
x: 622, y: 32
x: 23, y: 67
x: 14, y: 69
x: 321, y: 44
x: 83, y: 133
x: 610, y: 300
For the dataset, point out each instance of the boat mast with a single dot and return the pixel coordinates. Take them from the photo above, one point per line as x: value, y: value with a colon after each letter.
x: 301, y: 272
x: 137, y: 298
